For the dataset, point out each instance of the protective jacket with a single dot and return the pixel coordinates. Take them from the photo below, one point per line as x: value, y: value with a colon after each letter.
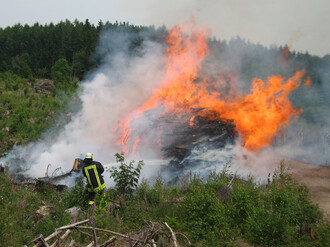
x: 92, y: 170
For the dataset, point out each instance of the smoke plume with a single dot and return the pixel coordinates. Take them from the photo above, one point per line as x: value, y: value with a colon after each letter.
x: 127, y: 78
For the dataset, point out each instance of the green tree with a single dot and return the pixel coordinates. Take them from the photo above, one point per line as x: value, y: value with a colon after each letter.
x: 79, y: 64
x: 61, y: 73
x: 20, y: 65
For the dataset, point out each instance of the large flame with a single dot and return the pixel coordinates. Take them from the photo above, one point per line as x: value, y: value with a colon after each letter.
x: 258, y: 116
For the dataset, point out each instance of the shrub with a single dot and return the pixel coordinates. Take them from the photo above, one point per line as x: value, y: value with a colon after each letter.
x: 266, y: 228
x: 125, y: 176
x: 77, y: 195
x: 203, y: 214
x: 290, y: 199
x: 244, y: 199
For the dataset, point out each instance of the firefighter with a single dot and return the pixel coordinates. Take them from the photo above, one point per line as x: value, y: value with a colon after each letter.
x: 92, y: 170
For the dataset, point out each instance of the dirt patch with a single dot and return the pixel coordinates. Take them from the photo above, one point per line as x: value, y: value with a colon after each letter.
x: 317, y: 180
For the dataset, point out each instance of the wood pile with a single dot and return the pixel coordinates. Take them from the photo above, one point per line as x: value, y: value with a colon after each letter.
x: 143, y: 238
x: 202, y: 132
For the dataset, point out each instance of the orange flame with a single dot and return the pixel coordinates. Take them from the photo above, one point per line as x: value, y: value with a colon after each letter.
x: 258, y: 116
x: 308, y: 81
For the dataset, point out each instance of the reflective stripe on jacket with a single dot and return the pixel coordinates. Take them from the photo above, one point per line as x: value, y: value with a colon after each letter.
x: 92, y: 170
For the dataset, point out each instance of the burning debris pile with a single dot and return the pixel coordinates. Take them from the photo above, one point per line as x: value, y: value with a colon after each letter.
x: 191, y: 110
x: 201, y: 132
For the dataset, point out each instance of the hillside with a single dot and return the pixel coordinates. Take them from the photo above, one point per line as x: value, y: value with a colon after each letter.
x: 109, y: 75
x: 30, y: 107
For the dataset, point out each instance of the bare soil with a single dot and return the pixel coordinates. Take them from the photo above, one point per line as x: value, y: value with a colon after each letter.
x: 317, y: 180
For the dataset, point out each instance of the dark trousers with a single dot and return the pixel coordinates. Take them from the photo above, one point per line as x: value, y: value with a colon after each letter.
x: 92, y: 194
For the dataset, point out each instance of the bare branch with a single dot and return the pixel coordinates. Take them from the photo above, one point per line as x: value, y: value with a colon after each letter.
x: 153, y: 243
x: 91, y: 244
x: 72, y: 225
x: 175, y: 242
x: 43, y: 241
x: 89, y: 235
x: 106, y: 243
x: 94, y: 237
x: 108, y: 231
x: 63, y: 237
x: 184, y: 237
x: 46, y: 239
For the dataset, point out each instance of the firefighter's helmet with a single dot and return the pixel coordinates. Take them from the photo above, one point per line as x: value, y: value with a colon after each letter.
x: 89, y: 156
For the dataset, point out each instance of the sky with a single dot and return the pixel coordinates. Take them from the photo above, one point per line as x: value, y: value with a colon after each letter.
x: 301, y: 24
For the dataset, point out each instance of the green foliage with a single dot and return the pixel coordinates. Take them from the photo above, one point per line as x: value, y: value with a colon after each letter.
x: 61, y: 73
x: 263, y: 215
x: 290, y: 200
x: 267, y: 215
x: 322, y: 234
x: 133, y: 215
x: 25, y: 113
x: 125, y: 176
x: 18, y: 206
x: 265, y: 228
x: 77, y: 195
x: 243, y: 201
x: 204, y: 215
x: 20, y: 66
x: 33, y: 50
x: 79, y: 64
x: 50, y: 222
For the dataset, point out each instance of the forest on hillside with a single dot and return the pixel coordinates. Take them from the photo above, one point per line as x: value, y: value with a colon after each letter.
x: 31, y: 51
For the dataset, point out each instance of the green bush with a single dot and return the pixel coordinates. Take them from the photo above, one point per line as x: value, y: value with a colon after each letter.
x: 203, y: 215
x: 77, y: 195
x: 322, y: 234
x: 266, y: 228
x: 244, y: 199
x: 125, y: 176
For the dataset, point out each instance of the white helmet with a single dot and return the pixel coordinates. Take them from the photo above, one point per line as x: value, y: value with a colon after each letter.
x: 89, y: 156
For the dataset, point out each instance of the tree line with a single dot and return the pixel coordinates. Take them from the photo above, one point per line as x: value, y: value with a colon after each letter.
x: 31, y: 51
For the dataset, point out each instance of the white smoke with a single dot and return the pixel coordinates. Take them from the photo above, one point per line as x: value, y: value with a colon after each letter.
x: 122, y: 84
x: 112, y: 92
